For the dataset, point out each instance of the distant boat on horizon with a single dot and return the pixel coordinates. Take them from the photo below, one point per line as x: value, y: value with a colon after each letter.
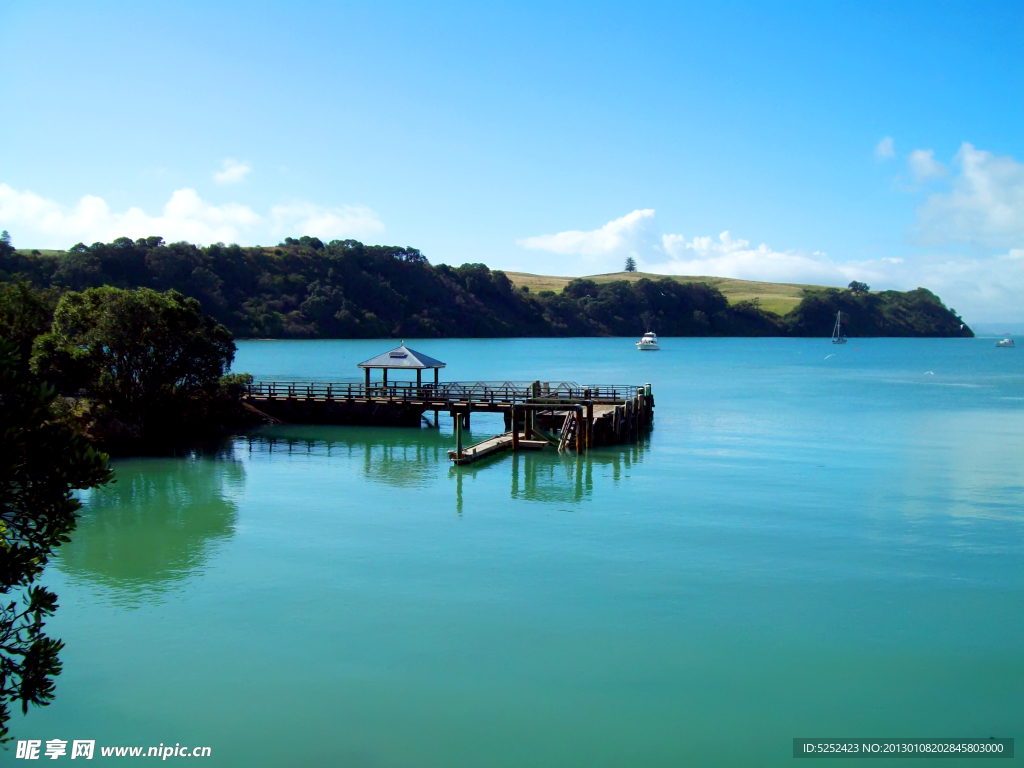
x: 1007, y: 342
x: 837, y: 332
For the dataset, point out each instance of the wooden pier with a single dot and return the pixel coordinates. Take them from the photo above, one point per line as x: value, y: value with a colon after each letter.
x: 565, y: 415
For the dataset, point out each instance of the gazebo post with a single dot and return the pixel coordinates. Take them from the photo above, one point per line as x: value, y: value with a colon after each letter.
x: 385, y: 371
x: 367, y: 372
x: 419, y: 378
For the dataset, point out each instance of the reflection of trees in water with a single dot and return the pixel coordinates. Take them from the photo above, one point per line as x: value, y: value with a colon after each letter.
x: 395, y: 456
x: 156, y: 524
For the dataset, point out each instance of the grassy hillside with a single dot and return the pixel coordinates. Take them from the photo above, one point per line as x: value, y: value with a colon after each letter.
x: 778, y: 298
x: 36, y: 252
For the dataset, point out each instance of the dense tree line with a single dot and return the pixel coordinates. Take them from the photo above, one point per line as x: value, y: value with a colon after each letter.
x: 137, y: 369
x: 304, y: 288
x: 884, y: 313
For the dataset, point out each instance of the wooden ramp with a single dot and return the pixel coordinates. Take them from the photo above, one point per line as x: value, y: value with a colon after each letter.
x: 494, y: 445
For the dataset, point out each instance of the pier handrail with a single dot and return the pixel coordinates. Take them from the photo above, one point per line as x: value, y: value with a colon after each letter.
x: 448, y: 391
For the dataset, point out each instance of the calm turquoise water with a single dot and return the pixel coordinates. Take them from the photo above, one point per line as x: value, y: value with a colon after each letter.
x: 812, y: 541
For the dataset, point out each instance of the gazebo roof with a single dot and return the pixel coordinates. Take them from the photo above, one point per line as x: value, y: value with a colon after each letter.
x: 402, y: 357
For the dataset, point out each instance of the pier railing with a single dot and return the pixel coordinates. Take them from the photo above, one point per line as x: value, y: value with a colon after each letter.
x: 445, y: 391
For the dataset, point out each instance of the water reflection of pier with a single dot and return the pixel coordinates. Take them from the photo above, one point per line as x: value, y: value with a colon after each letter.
x: 559, y: 478
x: 402, y: 458
x: 409, y: 458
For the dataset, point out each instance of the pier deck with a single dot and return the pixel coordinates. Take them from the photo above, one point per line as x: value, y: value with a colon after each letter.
x: 536, y: 413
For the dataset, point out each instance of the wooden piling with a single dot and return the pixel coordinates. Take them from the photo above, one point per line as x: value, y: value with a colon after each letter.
x: 590, y: 424
x: 515, y: 430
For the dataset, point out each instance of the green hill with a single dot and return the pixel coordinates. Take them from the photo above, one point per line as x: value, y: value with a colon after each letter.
x: 304, y: 288
x: 778, y: 298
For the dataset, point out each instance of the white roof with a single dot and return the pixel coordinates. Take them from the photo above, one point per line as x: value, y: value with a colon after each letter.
x: 402, y: 357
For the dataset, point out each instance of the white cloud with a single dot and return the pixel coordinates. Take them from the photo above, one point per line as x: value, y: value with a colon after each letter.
x: 186, y: 216
x: 38, y: 222
x: 619, y: 237
x: 984, y: 205
x: 729, y: 257
x: 349, y: 221
x: 885, y: 149
x: 924, y: 166
x: 981, y: 289
x: 232, y: 172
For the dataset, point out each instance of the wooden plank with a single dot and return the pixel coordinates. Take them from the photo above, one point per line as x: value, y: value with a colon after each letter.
x: 491, y: 446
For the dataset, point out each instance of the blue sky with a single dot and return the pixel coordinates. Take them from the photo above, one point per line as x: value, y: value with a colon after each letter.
x: 830, y: 141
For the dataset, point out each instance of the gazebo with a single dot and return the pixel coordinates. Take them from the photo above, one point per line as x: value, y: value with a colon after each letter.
x: 402, y: 358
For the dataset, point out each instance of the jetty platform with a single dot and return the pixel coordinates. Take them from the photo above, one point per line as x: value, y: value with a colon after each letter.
x: 565, y: 415
x: 536, y: 414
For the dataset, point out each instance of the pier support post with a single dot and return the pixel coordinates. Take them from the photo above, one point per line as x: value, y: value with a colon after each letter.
x: 515, y: 430
x: 508, y: 420
x: 458, y: 436
x: 465, y: 420
x: 579, y: 428
x: 590, y: 424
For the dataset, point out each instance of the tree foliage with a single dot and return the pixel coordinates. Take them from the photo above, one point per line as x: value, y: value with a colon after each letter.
x: 25, y: 313
x: 146, y: 359
x: 630, y: 264
x: 42, y: 462
x: 885, y: 313
x: 857, y: 287
x: 586, y: 308
x: 305, y: 288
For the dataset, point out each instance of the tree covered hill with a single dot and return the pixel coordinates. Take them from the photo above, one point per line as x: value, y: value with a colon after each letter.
x: 304, y: 288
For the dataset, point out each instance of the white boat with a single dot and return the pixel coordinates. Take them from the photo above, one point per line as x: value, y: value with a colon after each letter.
x: 837, y: 332
x: 1007, y: 342
x: 649, y: 342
